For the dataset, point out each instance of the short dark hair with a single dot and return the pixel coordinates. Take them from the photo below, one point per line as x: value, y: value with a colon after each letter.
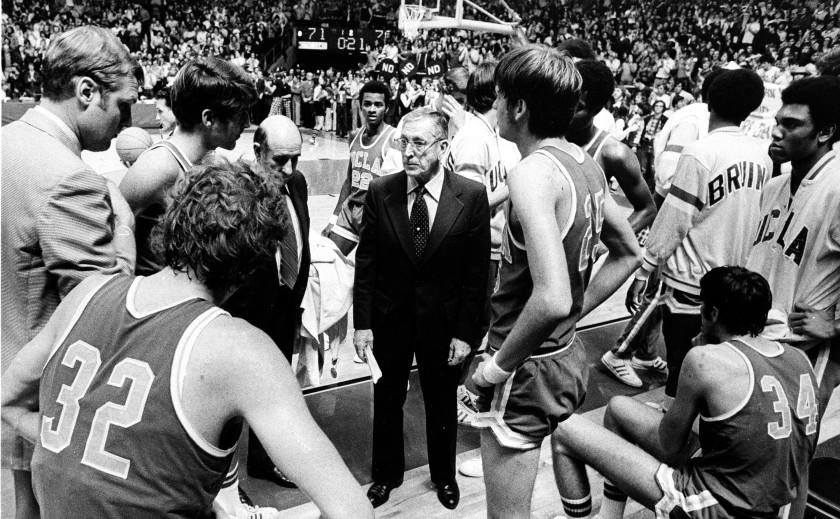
x: 224, y: 220
x: 598, y: 83
x: 822, y: 97
x: 85, y: 51
x: 742, y: 298
x: 376, y: 87
x: 164, y: 94
x: 547, y: 81
x: 481, y: 88
x: 707, y: 82
x: 212, y: 84
x: 735, y: 94
x: 577, y: 48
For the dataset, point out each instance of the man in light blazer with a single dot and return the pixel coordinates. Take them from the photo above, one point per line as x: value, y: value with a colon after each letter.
x: 61, y: 221
x: 420, y: 289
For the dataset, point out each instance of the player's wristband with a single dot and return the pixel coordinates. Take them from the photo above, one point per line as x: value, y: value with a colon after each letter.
x: 493, y: 373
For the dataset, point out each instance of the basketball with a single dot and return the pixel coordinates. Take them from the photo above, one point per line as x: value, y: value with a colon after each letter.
x: 131, y: 142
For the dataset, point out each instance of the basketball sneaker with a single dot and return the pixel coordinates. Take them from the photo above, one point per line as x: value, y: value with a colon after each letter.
x: 656, y: 364
x: 621, y: 368
x: 466, y: 406
x: 244, y: 509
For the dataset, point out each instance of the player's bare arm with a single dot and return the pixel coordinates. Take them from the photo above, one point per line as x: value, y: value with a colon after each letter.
x: 147, y: 181
x: 542, y: 200
x: 236, y: 370
x: 621, y: 163
x: 22, y: 379
x: 623, y: 258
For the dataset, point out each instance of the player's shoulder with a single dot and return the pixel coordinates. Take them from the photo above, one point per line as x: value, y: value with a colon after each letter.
x: 616, y: 152
x: 710, y: 364
x: 158, y: 162
x: 228, y: 340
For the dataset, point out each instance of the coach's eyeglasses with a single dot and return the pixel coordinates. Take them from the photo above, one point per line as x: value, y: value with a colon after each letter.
x: 419, y: 146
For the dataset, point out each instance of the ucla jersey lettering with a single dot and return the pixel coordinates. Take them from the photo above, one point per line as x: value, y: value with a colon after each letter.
x: 742, y: 175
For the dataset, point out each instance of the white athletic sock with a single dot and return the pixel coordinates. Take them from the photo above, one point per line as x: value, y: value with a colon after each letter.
x: 577, y: 508
x: 228, y: 498
x: 612, y: 507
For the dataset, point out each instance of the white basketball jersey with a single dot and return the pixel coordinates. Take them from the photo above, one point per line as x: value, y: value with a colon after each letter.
x: 711, y: 211
x: 797, y: 243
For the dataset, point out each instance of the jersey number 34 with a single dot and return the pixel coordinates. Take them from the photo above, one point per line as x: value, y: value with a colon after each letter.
x: 806, y: 406
x: 56, y: 435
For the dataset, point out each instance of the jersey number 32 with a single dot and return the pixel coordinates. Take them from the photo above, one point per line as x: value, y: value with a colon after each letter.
x: 56, y: 435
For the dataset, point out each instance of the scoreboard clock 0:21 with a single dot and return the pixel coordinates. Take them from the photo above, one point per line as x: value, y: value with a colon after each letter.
x: 338, y: 39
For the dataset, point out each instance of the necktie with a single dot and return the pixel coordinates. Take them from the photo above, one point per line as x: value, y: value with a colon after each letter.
x: 288, y: 256
x: 419, y: 221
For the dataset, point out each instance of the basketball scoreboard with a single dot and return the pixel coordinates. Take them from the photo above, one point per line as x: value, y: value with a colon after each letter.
x: 325, y: 38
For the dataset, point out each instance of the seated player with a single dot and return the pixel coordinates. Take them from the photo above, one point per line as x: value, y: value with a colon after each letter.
x: 156, y: 358
x: 756, y: 400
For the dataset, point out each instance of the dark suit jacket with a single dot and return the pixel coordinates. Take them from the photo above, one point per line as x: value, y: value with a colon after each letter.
x: 438, y: 296
x: 262, y: 301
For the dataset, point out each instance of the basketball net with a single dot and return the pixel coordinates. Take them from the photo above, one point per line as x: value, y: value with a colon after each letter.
x: 409, y: 21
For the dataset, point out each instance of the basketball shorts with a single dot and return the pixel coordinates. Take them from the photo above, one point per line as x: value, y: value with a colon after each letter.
x: 542, y: 392
x: 685, y: 495
x: 348, y: 222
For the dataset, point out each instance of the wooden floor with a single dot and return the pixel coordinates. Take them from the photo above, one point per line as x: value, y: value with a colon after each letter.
x: 417, y: 499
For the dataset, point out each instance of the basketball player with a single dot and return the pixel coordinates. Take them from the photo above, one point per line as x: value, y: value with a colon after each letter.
x: 685, y: 126
x: 614, y: 157
x: 758, y: 421
x: 580, y: 49
x: 163, y: 112
x: 371, y: 156
x: 710, y: 214
x: 535, y: 372
x: 477, y: 152
x: 797, y: 246
x: 153, y: 356
x: 211, y: 99
x: 618, y: 161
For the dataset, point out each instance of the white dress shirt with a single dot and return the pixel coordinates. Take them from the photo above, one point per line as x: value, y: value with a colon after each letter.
x: 432, y: 196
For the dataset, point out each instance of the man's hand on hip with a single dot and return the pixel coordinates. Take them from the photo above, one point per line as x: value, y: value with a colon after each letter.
x: 362, y: 339
x: 458, y: 351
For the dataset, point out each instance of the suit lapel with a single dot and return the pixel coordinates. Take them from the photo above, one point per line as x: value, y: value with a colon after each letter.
x: 449, y: 207
x: 396, y: 204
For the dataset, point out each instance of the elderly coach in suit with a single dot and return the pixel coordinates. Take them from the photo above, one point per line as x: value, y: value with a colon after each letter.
x: 420, y: 289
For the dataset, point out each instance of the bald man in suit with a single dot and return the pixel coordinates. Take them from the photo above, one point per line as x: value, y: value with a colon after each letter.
x: 271, y: 300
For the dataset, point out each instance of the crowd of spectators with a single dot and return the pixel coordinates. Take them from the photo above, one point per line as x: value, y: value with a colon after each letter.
x: 657, y: 50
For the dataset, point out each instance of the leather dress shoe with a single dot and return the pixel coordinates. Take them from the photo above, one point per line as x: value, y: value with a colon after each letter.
x: 378, y: 493
x: 448, y: 494
x: 274, y: 475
